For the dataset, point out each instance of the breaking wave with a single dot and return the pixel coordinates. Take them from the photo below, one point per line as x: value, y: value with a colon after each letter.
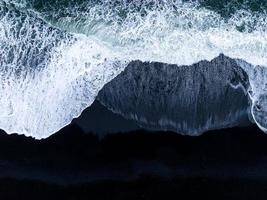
x: 55, y: 56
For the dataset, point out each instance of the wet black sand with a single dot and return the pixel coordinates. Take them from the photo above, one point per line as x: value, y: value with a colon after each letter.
x: 226, y: 164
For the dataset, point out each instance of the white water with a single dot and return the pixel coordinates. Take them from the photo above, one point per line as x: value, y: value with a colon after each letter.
x: 54, y: 75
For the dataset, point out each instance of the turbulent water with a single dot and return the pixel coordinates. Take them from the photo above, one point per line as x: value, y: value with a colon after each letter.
x: 56, y: 55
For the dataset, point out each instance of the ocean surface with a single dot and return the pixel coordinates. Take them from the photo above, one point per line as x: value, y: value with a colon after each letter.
x: 56, y: 55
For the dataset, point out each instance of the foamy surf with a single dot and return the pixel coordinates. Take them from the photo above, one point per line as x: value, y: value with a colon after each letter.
x: 54, y: 60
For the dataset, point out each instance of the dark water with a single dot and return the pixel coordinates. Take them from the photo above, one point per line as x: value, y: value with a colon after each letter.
x: 221, y: 6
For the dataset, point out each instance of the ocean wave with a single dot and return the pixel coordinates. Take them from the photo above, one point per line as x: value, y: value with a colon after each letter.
x: 55, y: 56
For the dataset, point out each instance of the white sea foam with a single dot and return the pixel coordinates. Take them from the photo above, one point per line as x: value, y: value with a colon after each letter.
x: 49, y: 76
